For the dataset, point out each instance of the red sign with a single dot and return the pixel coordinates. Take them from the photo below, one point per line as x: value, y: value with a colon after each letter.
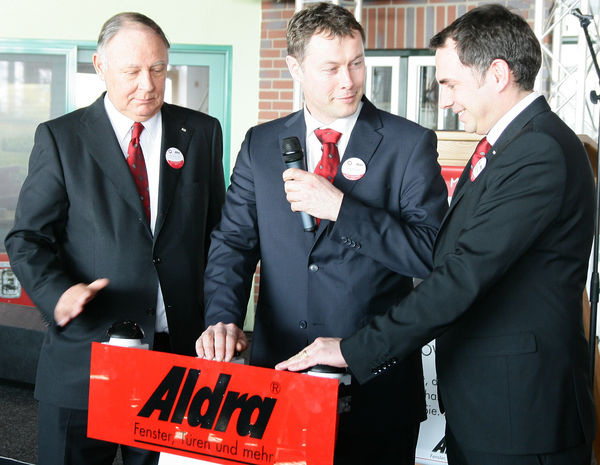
x: 451, y: 175
x: 214, y: 411
x: 11, y: 291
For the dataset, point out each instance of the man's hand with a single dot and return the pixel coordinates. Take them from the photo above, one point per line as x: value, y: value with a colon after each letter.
x: 323, y: 351
x: 220, y: 342
x: 73, y: 300
x: 313, y: 194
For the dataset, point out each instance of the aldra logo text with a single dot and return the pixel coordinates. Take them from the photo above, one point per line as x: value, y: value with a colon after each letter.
x: 208, y: 408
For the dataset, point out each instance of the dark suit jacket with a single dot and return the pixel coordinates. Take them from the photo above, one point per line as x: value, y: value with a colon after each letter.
x: 504, y: 298
x: 79, y: 218
x: 331, y: 282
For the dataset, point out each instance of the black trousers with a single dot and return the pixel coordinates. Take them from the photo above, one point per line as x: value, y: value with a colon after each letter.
x: 378, y: 448
x: 62, y: 440
x: 458, y: 455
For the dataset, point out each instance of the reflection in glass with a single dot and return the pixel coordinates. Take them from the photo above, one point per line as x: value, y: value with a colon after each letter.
x: 32, y: 90
x: 381, y: 95
x: 428, y: 97
x: 450, y: 121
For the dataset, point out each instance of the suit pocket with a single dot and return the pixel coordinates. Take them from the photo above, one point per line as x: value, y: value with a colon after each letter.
x: 510, y: 344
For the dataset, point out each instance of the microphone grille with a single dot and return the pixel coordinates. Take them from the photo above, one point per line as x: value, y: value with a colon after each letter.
x: 291, y: 144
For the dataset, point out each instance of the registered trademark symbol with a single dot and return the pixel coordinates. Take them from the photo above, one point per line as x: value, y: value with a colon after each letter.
x: 275, y: 388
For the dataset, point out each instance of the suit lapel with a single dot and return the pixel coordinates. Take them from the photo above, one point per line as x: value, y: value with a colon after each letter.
x: 175, y: 134
x: 364, y: 140
x: 104, y: 148
x: 516, y: 126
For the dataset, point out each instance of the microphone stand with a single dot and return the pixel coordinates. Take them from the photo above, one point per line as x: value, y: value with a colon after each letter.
x: 584, y: 21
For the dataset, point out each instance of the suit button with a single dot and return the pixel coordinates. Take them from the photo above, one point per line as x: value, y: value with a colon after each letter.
x: 156, y: 260
x: 314, y: 268
x: 303, y: 324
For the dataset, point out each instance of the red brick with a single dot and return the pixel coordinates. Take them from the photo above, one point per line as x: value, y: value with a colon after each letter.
x: 268, y: 95
x: 264, y: 105
x: 266, y: 63
x: 286, y: 95
x: 282, y: 106
x: 276, y: 34
x: 400, y: 27
x: 279, y: 43
x: 451, y: 15
x: 267, y: 115
x: 371, y: 28
x: 287, y: 84
x: 390, y: 41
x: 264, y: 84
x: 420, y: 42
x: 440, y: 18
x: 269, y: 52
x: 280, y: 64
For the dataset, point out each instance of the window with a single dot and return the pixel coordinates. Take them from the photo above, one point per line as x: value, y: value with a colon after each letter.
x: 403, y: 82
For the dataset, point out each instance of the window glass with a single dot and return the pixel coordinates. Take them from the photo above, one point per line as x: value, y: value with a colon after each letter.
x: 32, y: 90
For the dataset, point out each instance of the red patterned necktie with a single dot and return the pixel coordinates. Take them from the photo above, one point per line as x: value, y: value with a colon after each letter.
x: 330, y: 160
x: 137, y: 165
x: 480, y: 151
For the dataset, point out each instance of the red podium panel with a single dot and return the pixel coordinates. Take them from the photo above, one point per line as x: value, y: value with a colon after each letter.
x: 218, y: 412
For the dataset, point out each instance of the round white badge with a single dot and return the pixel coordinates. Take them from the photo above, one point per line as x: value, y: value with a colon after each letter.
x: 479, y: 166
x: 354, y: 168
x: 174, y: 158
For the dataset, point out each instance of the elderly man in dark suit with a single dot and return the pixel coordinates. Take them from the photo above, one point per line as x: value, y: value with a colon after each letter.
x: 510, y: 262
x: 379, y: 212
x: 113, y: 223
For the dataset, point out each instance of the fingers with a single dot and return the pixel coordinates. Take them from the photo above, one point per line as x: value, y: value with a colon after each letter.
x: 219, y: 342
x: 72, y: 302
x: 323, y: 351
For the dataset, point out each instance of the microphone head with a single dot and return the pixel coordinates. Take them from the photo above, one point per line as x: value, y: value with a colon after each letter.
x: 291, y: 149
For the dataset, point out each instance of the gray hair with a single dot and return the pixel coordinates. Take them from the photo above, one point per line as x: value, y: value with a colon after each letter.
x: 116, y: 23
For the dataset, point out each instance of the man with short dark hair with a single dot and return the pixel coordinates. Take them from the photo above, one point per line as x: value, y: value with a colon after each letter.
x: 510, y: 263
x: 113, y: 224
x: 378, y: 210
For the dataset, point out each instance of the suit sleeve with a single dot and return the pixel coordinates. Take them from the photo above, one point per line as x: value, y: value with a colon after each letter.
x: 520, y: 202
x: 234, y: 250
x: 217, y: 188
x: 403, y: 240
x: 33, y: 244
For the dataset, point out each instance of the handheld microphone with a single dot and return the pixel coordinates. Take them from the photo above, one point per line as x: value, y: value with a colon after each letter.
x: 294, y: 158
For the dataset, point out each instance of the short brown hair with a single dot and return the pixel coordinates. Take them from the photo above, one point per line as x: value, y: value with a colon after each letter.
x: 323, y: 17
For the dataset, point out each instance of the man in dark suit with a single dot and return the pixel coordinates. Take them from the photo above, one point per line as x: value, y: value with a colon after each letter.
x: 510, y: 261
x: 378, y: 220
x: 80, y: 220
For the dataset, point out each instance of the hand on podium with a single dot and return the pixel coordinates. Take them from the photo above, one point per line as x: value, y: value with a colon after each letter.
x: 220, y: 342
x: 323, y: 351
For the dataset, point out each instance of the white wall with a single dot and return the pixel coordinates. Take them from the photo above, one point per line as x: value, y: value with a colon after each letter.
x: 205, y: 22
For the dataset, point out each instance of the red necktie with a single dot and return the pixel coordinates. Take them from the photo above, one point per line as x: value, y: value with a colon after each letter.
x: 137, y: 165
x: 480, y: 151
x: 330, y: 160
